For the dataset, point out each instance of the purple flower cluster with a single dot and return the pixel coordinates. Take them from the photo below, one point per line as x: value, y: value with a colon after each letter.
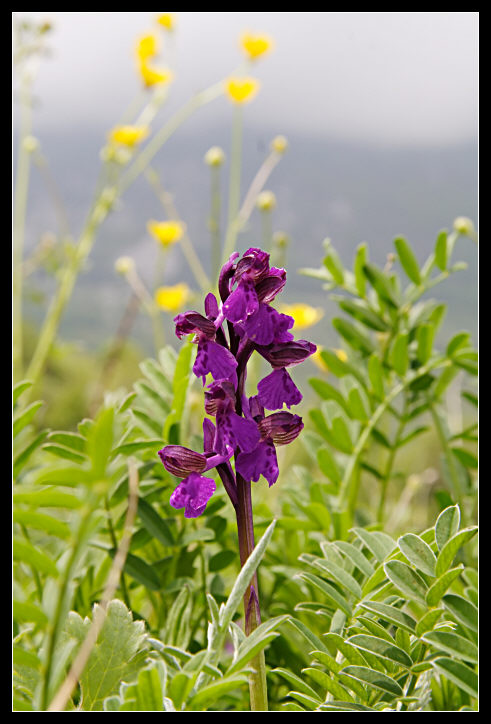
x: 226, y: 336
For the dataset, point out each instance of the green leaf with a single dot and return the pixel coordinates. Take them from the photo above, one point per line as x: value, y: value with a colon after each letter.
x: 451, y: 547
x: 296, y: 681
x: 363, y: 313
x: 356, y: 557
x: 19, y: 388
x: 154, y: 524
x: 391, y: 615
x: 65, y: 453
x: 442, y: 584
x: 380, y: 544
x: 25, y: 612
x: 374, y: 679
x: 466, y: 458
x: 441, y: 255
x: 353, y: 336
x: 340, y: 576
x: 408, y: 260
x: 418, y: 553
x: 424, y: 335
x: 41, y: 521
x: 26, y: 553
x: 463, y: 610
x: 453, y: 644
x: 254, y: 643
x: 447, y: 525
x: 381, y: 284
x: 221, y: 560
x: 327, y: 392
x: 25, y: 417
x: 210, y: 693
x: 361, y: 259
x: 376, y: 376
x: 329, y: 591
x: 398, y: 354
x: 100, y: 441
x: 427, y: 621
x: 459, y: 673
x: 22, y: 457
x: 333, y: 264
x: 141, y: 571
x: 328, y: 684
x: 116, y: 657
x: 243, y: 579
x: 406, y: 580
x: 459, y: 340
x: 381, y: 647
x: 328, y: 465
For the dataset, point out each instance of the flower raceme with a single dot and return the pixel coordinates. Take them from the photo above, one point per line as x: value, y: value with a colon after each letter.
x: 226, y: 335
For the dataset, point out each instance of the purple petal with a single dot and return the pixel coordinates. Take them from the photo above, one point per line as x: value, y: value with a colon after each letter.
x: 211, y: 306
x: 281, y: 427
x: 253, y: 265
x: 193, y: 323
x: 235, y: 431
x: 241, y: 303
x: 260, y: 461
x: 181, y: 461
x: 271, y: 285
x: 193, y: 494
x: 226, y: 274
x: 288, y: 353
x: 267, y: 326
x: 215, y: 359
x: 208, y: 435
x: 277, y: 389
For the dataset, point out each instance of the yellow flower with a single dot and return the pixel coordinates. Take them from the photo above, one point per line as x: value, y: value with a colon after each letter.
x: 279, y: 144
x: 214, y: 156
x: 154, y: 76
x: 304, y: 315
x: 167, y: 21
x: 128, y: 135
x: 147, y: 46
x: 255, y: 45
x: 266, y: 201
x: 241, y: 90
x: 172, y: 299
x: 166, y: 232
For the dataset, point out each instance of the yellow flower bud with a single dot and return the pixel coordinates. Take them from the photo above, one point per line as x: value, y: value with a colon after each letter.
x: 147, y: 46
x: 128, y: 135
x: 172, y: 299
x: 464, y: 226
x: 167, y: 21
x: 166, y: 233
x: 155, y: 76
x: 30, y: 144
x: 304, y: 315
x: 214, y: 156
x: 279, y: 144
x: 124, y: 265
x: 281, y: 239
x: 266, y: 201
x: 241, y: 90
x: 255, y: 45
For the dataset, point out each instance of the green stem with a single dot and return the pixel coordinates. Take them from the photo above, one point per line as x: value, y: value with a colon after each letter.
x: 390, y: 464
x: 214, y: 223
x: 234, y: 183
x: 19, y: 218
x: 245, y: 528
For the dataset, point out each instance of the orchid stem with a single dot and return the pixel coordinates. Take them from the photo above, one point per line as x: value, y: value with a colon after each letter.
x: 245, y: 528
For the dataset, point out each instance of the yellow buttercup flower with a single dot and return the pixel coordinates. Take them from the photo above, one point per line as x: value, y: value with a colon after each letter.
x: 155, y: 76
x: 128, y: 135
x: 241, y: 89
x: 167, y: 21
x: 255, y: 45
x: 304, y: 315
x: 172, y: 299
x: 147, y: 46
x: 167, y: 233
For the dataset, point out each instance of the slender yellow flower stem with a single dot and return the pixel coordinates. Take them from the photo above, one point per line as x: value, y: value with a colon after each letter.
x: 19, y: 218
x: 147, y: 154
x: 186, y: 244
x: 248, y: 204
x: 95, y: 218
x: 214, y: 223
x: 266, y: 229
x: 234, y: 183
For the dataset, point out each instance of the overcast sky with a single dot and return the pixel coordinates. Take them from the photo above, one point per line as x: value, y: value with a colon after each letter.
x: 387, y: 78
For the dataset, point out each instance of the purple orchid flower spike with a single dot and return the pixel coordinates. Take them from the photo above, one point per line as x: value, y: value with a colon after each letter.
x: 228, y: 333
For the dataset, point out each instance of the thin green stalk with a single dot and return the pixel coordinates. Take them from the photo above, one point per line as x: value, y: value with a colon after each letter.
x: 266, y: 228
x: 245, y: 527
x: 234, y: 182
x: 19, y: 219
x: 214, y: 223
x: 389, y: 465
